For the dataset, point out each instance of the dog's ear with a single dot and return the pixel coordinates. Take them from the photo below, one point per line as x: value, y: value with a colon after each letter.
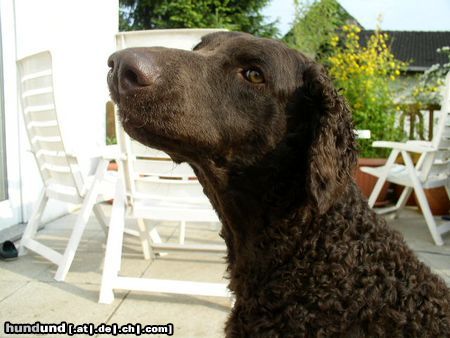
x: 332, y: 155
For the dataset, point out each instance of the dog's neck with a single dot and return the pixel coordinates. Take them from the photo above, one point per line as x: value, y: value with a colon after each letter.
x: 254, y: 211
x: 246, y: 197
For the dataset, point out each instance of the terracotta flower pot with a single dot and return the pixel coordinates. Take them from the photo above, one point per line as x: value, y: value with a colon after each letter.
x: 398, y: 189
x: 366, y: 182
x: 113, y: 166
x: 437, y: 200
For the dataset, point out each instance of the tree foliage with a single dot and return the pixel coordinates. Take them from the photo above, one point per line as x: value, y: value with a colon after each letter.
x: 314, y: 25
x: 235, y: 15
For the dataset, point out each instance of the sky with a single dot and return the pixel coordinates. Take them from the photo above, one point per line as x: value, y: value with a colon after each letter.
x: 426, y: 15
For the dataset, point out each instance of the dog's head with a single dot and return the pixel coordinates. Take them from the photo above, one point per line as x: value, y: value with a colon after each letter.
x: 235, y: 99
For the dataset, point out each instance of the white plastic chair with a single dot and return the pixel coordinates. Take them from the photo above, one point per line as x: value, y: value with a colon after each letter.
x: 155, y: 188
x: 431, y: 171
x: 183, y: 38
x: 60, y: 170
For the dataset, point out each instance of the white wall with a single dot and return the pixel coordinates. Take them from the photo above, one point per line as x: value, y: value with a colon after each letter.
x: 80, y: 35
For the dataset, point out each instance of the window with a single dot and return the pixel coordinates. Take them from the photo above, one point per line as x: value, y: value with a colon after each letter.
x: 3, y: 174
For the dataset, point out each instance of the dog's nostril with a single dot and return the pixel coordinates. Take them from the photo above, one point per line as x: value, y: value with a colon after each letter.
x: 135, y: 75
x: 131, y: 77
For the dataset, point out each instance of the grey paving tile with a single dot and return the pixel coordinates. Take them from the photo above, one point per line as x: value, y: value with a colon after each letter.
x: 191, y: 316
x: 28, y: 292
x: 25, y: 268
x: 54, y: 303
x: 8, y: 288
x: 439, y: 263
x: 415, y: 231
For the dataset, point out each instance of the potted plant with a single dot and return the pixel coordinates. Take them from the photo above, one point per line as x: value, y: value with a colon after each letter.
x: 366, y: 74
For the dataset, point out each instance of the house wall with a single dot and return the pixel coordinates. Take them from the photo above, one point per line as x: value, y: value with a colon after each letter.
x: 81, y: 35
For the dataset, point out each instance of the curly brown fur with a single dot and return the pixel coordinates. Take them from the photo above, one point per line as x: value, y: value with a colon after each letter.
x: 306, y: 255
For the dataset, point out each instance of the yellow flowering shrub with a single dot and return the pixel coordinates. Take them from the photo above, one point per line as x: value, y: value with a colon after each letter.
x: 366, y: 73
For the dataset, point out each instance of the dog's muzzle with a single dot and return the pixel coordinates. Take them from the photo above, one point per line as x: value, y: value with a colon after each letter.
x: 131, y: 69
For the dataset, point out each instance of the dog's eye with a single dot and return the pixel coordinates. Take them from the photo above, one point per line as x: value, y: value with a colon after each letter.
x: 254, y: 76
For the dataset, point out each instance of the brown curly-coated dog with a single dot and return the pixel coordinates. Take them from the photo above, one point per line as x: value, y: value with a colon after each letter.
x: 272, y: 142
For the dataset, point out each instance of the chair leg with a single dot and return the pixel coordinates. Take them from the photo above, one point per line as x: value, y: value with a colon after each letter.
x: 74, y: 241
x: 145, y: 238
x: 80, y: 224
x: 182, y: 232
x: 447, y: 186
x: 403, y: 199
x: 101, y: 218
x: 113, y: 252
x: 382, y: 179
x: 154, y: 235
x: 423, y: 202
x: 33, y: 223
x: 155, y: 238
x: 422, y: 199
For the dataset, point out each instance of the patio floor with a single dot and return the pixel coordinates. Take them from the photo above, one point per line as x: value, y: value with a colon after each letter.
x: 28, y: 292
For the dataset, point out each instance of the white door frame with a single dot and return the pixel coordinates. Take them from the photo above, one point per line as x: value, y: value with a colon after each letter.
x: 10, y: 209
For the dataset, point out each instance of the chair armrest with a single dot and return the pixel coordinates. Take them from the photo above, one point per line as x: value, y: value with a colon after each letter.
x: 426, y: 144
x: 89, y: 160
x: 94, y: 153
x: 109, y: 152
x: 363, y: 133
x: 412, y: 147
x: 112, y: 152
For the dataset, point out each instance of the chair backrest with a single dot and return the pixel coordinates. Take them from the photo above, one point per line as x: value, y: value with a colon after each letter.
x: 153, y: 180
x: 169, y: 38
x: 60, y: 173
x: 149, y: 174
x: 440, y: 161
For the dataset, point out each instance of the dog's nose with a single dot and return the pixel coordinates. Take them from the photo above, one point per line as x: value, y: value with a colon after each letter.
x: 131, y: 69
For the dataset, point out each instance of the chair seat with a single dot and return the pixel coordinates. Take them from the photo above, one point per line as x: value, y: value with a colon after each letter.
x: 399, y: 175
x: 107, y: 186
x: 164, y: 210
